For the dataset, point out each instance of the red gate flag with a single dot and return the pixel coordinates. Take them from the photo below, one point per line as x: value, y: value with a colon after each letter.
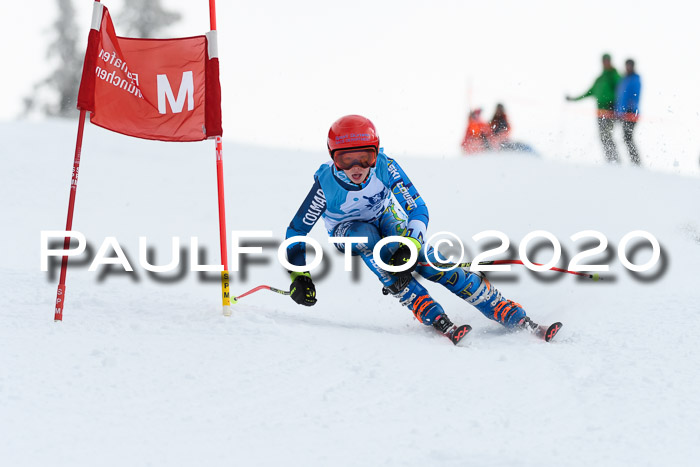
x: 162, y: 89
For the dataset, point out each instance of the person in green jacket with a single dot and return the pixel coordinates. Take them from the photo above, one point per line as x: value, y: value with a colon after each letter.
x: 603, y: 90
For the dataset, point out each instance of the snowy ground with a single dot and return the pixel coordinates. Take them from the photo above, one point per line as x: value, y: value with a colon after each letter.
x: 144, y: 370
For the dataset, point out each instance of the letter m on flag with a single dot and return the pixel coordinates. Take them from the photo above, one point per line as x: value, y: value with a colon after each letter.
x: 162, y: 89
x: 166, y: 92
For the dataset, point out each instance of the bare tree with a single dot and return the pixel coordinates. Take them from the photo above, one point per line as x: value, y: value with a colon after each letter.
x: 145, y: 18
x: 56, y: 95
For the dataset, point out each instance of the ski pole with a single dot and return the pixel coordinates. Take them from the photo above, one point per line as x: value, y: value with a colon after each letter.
x: 235, y: 299
x: 593, y: 276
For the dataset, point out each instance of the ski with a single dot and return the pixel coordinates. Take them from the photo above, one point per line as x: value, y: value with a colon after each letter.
x: 548, y: 333
x: 543, y: 332
x: 458, y: 333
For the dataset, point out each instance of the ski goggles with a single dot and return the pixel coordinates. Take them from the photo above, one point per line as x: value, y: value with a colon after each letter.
x: 345, y: 159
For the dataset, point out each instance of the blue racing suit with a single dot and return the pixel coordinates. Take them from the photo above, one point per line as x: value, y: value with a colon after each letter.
x: 388, y: 204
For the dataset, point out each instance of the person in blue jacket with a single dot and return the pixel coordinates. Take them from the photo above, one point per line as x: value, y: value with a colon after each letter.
x: 361, y: 192
x: 627, y: 107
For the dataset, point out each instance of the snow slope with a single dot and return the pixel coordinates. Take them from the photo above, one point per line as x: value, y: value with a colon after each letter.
x: 144, y: 370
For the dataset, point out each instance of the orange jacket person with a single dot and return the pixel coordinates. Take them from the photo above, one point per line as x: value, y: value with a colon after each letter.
x: 478, y: 135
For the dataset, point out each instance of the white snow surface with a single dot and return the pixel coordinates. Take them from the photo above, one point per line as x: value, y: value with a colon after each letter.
x: 147, y: 372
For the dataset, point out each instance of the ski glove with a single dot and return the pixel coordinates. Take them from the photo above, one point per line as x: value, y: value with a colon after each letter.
x: 302, y: 289
x: 403, y: 255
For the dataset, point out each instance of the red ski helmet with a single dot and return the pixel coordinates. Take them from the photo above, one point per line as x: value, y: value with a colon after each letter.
x: 352, y: 131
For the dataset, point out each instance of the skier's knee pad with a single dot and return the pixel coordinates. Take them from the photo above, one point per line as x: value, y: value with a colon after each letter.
x: 458, y: 281
x: 399, y: 284
x: 417, y: 298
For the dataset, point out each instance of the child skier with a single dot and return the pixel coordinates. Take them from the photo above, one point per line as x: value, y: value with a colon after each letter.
x: 361, y: 192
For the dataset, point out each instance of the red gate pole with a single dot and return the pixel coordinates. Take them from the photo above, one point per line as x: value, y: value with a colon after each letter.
x: 225, y: 290
x: 61, y: 292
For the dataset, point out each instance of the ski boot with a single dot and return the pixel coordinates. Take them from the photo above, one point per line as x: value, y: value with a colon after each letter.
x: 427, y: 311
x: 454, y: 333
x: 546, y: 333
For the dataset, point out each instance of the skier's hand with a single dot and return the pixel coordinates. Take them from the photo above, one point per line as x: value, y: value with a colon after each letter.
x: 403, y: 255
x: 302, y: 289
